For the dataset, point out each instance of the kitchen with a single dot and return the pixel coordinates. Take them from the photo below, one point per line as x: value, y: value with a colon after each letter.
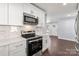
x: 26, y: 29
x: 13, y: 25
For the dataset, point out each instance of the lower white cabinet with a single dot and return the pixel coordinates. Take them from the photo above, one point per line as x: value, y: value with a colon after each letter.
x: 14, y: 49
x: 17, y: 49
x: 18, y: 52
x: 45, y: 42
x: 4, y: 51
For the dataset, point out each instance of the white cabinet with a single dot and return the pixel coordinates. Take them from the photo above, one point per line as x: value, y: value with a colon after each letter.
x: 45, y: 42
x: 13, y: 49
x: 19, y: 53
x: 16, y: 14
x: 3, y: 13
x: 11, y: 13
x: 30, y: 9
x: 17, y: 49
x: 34, y: 10
x: 27, y: 8
x: 41, y: 18
x: 4, y: 51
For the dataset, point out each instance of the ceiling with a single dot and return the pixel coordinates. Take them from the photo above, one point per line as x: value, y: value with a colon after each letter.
x: 57, y: 11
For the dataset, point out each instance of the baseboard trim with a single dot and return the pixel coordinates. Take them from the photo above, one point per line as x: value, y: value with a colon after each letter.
x: 68, y: 40
x: 73, y: 39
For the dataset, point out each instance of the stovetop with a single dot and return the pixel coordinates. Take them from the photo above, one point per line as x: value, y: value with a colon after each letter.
x: 34, y: 37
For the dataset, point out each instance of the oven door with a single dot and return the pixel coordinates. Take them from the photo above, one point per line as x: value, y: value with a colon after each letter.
x: 34, y: 46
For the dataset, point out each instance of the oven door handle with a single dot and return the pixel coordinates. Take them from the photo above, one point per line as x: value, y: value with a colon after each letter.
x: 34, y: 40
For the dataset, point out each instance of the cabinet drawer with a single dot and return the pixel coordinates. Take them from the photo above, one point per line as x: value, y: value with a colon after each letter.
x: 17, y: 52
x: 17, y: 45
x: 4, y: 51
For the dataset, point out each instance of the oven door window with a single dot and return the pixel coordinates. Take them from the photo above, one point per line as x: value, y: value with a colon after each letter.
x: 34, y: 47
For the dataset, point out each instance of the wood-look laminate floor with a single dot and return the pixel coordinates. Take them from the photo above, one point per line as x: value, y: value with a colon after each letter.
x: 61, y: 47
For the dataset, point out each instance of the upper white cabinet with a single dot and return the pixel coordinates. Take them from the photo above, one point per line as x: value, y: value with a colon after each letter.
x: 27, y: 8
x: 16, y: 14
x: 3, y: 13
x: 30, y: 9
x: 4, y: 51
x: 12, y: 13
x: 41, y: 18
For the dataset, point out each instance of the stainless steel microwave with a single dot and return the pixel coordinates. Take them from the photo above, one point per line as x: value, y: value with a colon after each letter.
x: 30, y: 19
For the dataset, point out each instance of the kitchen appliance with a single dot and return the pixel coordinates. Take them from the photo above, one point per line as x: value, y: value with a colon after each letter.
x: 28, y: 34
x: 33, y: 43
x: 30, y: 19
x: 34, y: 46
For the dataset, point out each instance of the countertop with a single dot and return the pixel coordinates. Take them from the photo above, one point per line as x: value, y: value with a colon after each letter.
x: 14, y: 40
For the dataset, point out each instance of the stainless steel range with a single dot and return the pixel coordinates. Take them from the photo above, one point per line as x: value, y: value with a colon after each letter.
x: 34, y: 43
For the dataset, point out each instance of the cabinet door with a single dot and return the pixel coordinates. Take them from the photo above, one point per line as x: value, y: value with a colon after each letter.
x: 27, y: 8
x: 18, y: 53
x: 34, y: 10
x: 18, y: 49
x: 15, y: 14
x: 30, y: 9
x: 4, y: 51
x: 41, y: 16
x: 45, y: 38
x: 3, y: 13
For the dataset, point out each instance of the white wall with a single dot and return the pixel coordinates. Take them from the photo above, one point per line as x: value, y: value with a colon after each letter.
x: 66, y: 29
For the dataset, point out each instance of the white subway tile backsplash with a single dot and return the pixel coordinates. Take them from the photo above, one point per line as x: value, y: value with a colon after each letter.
x: 5, y: 32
